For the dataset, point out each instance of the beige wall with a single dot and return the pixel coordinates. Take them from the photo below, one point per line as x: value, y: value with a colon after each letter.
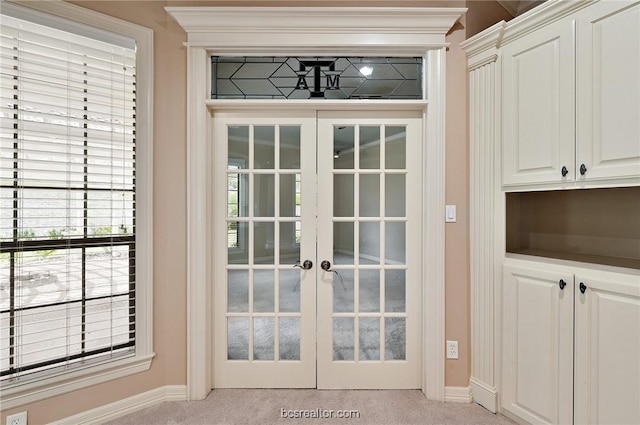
x: 169, y: 367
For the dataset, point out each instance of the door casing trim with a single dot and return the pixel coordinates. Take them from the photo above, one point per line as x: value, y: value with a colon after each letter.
x: 313, y: 31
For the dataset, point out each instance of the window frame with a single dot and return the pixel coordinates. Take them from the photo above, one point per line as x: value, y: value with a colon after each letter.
x: 58, y: 382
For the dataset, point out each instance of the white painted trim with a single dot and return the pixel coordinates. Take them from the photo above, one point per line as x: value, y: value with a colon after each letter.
x: 199, y: 327
x: 33, y: 391
x: 312, y: 31
x: 457, y: 395
x: 126, y: 406
x: 484, y: 395
x: 546, y: 13
x: 318, y: 105
x: 433, y: 230
x: 482, y: 48
x: 316, y: 30
x: 483, y: 143
x: 60, y: 384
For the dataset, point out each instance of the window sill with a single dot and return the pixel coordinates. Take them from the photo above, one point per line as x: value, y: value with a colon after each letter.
x: 29, y: 392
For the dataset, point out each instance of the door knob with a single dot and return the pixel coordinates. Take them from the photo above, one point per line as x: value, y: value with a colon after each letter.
x: 583, y: 169
x: 326, y: 266
x: 564, y: 171
x: 306, y: 265
x: 562, y: 284
x: 583, y: 287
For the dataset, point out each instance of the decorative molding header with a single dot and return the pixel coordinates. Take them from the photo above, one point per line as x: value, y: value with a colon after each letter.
x: 541, y: 15
x: 483, y: 47
x: 368, y: 30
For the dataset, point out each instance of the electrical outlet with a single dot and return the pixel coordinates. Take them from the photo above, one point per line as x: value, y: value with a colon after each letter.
x: 17, y: 419
x: 452, y: 349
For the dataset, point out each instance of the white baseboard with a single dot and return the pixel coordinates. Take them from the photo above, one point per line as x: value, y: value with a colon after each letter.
x: 123, y: 407
x: 484, y: 395
x: 457, y: 395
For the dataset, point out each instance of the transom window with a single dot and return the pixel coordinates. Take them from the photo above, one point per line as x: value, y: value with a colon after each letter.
x: 316, y: 77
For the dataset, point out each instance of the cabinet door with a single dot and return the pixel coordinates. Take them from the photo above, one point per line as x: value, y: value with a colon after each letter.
x: 608, y: 90
x: 538, y: 107
x: 607, y: 363
x: 537, y: 344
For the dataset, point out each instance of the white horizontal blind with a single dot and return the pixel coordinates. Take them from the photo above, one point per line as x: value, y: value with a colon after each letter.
x: 67, y: 198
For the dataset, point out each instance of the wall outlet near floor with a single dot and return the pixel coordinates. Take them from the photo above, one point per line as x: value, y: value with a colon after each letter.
x: 452, y: 349
x: 17, y: 419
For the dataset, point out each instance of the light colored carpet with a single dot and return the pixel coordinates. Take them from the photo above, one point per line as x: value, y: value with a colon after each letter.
x: 243, y: 407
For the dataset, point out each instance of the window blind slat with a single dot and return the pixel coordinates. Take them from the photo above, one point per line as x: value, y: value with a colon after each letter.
x: 67, y: 170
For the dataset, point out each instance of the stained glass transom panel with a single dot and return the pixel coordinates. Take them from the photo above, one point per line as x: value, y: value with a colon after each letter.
x: 316, y: 77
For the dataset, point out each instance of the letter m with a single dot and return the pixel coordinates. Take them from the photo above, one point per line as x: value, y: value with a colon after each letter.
x: 333, y: 80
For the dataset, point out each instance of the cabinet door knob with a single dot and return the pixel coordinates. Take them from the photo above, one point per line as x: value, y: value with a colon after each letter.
x: 583, y: 287
x: 583, y: 169
x: 562, y: 284
x: 564, y: 171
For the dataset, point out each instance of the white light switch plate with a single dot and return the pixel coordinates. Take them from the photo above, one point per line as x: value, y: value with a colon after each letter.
x: 450, y: 214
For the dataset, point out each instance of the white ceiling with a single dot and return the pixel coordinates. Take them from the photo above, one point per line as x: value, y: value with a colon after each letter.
x: 517, y: 7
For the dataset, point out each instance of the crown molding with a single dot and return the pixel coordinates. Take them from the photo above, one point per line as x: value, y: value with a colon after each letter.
x: 482, y: 48
x: 306, y: 28
x: 544, y: 14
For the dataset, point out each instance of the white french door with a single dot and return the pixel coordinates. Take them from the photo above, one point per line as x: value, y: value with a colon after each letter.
x: 317, y: 249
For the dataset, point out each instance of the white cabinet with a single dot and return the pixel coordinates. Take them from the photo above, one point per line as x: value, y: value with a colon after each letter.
x: 608, y: 95
x: 538, y: 83
x: 607, y: 350
x: 571, y: 99
x: 546, y: 307
x: 537, y: 343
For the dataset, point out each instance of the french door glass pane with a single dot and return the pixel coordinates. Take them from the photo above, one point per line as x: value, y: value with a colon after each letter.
x: 263, y: 338
x: 369, y: 242
x: 343, y: 291
x: 289, y: 147
x: 395, y: 249
x: 369, y: 147
x: 264, y: 195
x: 264, y: 147
x: 369, y: 295
x: 263, y: 291
x: 289, y: 338
x: 343, y: 247
x: 395, y: 338
x: 238, y: 146
x: 289, y: 294
x: 395, y: 195
x: 373, y: 286
x: 238, y: 291
x: 263, y: 245
x: 343, y: 338
x: 395, y: 147
x: 238, y: 338
x: 369, y: 338
x: 394, y: 294
x: 290, y: 195
x: 343, y: 147
x: 369, y: 195
x: 289, y: 242
x: 237, y: 242
x: 263, y: 200
x: 343, y: 195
